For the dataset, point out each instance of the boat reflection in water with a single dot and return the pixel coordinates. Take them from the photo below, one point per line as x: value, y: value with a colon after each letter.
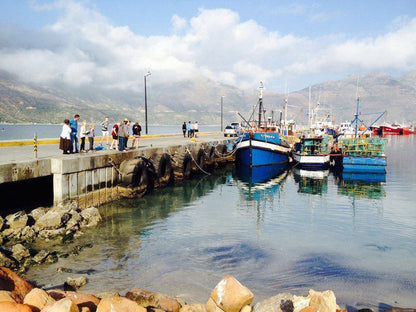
x: 362, y: 185
x: 259, y: 183
x: 311, y: 182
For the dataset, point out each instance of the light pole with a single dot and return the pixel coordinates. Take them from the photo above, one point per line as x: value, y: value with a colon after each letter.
x: 222, y: 102
x: 145, y: 99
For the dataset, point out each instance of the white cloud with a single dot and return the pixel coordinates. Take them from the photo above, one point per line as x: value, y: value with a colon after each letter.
x: 83, y: 48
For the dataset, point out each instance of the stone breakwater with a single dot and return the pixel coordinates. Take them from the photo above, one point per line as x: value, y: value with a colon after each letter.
x: 229, y: 295
x: 19, y: 231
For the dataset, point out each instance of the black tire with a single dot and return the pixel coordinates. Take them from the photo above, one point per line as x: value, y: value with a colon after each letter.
x: 201, y: 160
x: 138, y: 174
x: 164, y: 170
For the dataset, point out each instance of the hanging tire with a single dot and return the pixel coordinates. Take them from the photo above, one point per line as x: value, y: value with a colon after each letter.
x: 164, y: 170
x: 138, y: 175
x: 201, y: 160
x: 210, y: 155
x: 182, y: 166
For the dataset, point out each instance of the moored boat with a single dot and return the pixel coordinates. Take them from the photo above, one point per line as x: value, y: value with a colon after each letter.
x: 260, y: 144
x: 312, y: 153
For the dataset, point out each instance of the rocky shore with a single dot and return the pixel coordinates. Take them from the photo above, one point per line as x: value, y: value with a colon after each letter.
x: 19, y: 230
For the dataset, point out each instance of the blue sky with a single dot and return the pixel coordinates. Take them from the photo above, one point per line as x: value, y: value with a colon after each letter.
x: 283, y: 43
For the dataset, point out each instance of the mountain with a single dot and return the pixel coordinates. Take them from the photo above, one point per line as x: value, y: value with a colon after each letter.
x: 199, y: 100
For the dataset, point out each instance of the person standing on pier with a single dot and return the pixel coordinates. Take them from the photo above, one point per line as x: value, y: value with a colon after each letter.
x: 188, y: 127
x: 91, y: 135
x: 114, y: 134
x: 65, y: 137
x: 104, y: 130
x: 122, y: 134
x: 136, y: 135
x: 196, y: 128
x: 184, y: 128
x: 74, y: 139
x: 82, y: 135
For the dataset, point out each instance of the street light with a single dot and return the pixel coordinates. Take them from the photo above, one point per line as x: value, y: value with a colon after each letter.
x: 222, y: 100
x: 145, y: 99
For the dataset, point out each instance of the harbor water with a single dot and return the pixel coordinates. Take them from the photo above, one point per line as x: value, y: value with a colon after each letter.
x: 295, y: 232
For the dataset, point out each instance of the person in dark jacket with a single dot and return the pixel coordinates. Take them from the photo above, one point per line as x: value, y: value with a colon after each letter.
x: 136, y: 134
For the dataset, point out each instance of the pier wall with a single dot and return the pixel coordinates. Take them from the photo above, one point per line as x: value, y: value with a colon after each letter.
x: 93, y: 179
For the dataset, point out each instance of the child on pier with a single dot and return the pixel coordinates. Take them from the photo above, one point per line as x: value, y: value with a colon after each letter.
x: 91, y: 135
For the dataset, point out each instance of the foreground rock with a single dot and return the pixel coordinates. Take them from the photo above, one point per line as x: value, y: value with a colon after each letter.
x: 149, y: 299
x: 119, y: 304
x: 12, y: 282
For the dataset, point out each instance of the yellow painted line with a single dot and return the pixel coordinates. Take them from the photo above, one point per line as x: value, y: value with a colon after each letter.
x: 56, y: 141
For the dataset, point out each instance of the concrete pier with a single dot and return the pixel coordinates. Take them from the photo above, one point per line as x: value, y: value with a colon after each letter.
x: 89, y: 179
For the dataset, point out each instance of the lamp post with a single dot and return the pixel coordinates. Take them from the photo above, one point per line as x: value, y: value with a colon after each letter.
x: 145, y: 99
x: 222, y: 102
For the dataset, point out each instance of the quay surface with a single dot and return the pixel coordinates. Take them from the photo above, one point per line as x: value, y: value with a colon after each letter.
x: 82, y: 174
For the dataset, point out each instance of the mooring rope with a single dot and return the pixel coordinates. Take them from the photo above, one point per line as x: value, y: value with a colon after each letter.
x: 189, y: 152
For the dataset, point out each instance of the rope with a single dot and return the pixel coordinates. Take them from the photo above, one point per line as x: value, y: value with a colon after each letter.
x: 111, y: 162
x: 207, y: 173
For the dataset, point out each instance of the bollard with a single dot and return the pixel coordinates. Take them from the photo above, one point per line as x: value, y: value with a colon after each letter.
x: 35, y: 145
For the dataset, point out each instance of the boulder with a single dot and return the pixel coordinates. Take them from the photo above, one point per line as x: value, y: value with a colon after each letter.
x: 119, y: 304
x: 41, y: 256
x: 1, y: 222
x: 50, y: 234
x: 74, y: 222
x: 7, y: 306
x: 107, y: 294
x: 147, y: 298
x: 323, y: 301
x: 12, y: 282
x: 37, y: 299
x: 37, y: 213
x: 273, y: 304
x: 81, y: 300
x: 90, y: 217
x: 246, y: 308
x: 17, y: 220
x: 12, y: 234
x: 6, y: 296
x: 230, y: 295
x: 51, y: 220
x: 196, y: 307
x: 20, y: 252
x: 76, y: 283
x: 28, y: 233
x: 63, y: 305
x: 6, y: 260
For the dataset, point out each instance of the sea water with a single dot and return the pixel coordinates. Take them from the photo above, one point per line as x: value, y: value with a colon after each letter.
x: 293, y: 233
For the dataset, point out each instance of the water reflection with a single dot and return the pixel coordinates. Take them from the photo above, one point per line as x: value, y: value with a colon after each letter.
x: 311, y: 182
x: 361, y: 185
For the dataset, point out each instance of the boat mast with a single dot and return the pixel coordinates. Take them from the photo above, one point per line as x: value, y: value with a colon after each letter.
x: 260, y: 102
x: 309, y: 108
x: 356, y: 114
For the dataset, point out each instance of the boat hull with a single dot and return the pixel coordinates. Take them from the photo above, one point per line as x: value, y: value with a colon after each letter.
x: 262, y: 149
x: 364, y: 164
x: 311, y: 162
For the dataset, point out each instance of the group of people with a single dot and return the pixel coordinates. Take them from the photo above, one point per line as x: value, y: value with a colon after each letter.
x: 120, y: 134
x: 192, y: 128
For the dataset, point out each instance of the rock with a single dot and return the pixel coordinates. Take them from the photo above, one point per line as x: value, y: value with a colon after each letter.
x: 107, y: 294
x: 50, y: 234
x: 74, y: 222
x: 147, y: 298
x: 81, y: 300
x: 17, y: 220
x: 313, y: 309
x: 273, y: 304
x: 6, y: 296
x: 6, y: 260
x: 12, y: 234
x: 196, y: 307
x: 76, y: 283
x: 323, y: 301
x: 212, y: 307
x: 37, y: 299
x: 1, y: 222
x: 7, y: 306
x: 63, y: 305
x: 230, y: 295
x: 28, y: 234
x: 301, y: 303
x: 12, y: 282
x: 41, y: 256
x: 90, y: 217
x: 20, y: 252
x: 246, y: 308
x: 119, y: 304
x: 51, y: 220
x: 37, y: 213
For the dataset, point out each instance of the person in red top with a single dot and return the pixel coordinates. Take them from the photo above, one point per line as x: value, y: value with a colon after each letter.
x: 114, y: 133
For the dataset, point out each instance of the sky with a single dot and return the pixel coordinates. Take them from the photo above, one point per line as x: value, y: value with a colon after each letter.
x: 288, y: 45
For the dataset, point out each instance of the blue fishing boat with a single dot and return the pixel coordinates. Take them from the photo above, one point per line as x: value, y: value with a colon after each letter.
x: 362, y: 153
x: 260, y: 143
x: 312, y: 153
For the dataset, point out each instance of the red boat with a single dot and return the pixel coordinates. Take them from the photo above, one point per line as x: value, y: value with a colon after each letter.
x: 395, y: 129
